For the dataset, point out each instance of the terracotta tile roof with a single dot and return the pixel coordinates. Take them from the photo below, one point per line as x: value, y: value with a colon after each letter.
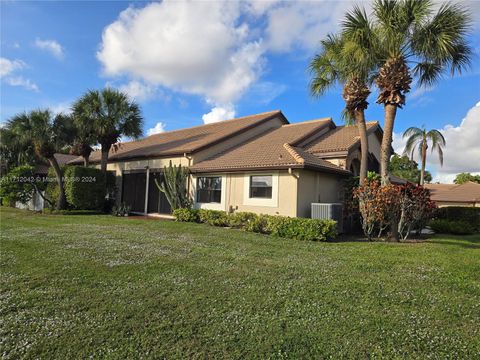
x: 185, y: 140
x: 62, y: 159
x: 467, y: 192
x: 273, y: 149
x: 340, y: 139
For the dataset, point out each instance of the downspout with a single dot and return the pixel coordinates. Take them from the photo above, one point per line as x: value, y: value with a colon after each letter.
x: 146, y: 189
x: 296, y: 176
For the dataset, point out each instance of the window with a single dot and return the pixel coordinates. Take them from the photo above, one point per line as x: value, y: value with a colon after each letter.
x: 261, y: 186
x: 209, y: 189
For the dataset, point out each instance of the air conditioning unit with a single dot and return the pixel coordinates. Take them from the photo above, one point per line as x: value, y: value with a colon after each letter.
x: 329, y: 211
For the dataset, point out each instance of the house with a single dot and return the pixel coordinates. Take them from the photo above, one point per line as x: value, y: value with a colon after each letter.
x: 259, y: 163
x: 467, y: 194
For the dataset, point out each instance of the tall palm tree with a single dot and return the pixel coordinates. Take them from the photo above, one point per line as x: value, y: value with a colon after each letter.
x: 13, y: 150
x: 48, y: 134
x: 340, y: 62
x: 408, y: 40
x: 419, y: 138
x: 112, y: 115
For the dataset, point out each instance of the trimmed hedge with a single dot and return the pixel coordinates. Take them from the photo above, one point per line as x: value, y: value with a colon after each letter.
x: 469, y: 215
x: 445, y: 226
x: 85, y: 187
x: 281, y: 226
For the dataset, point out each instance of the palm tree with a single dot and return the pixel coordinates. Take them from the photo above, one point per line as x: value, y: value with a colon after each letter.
x: 48, y: 134
x: 408, y: 41
x: 84, y: 137
x: 112, y: 115
x: 418, y: 138
x: 340, y: 62
x: 13, y: 150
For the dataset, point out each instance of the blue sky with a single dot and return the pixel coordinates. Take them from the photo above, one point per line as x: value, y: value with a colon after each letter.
x: 190, y: 63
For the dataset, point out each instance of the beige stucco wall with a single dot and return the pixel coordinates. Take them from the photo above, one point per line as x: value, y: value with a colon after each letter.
x: 374, y: 145
x: 444, y: 204
x: 234, y: 186
x: 316, y: 187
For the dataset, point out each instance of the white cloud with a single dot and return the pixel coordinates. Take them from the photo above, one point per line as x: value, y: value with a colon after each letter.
x: 219, y: 114
x: 21, y: 81
x: 7, y: 66
x: 158, y: 128
x: 8, y: 74
x: 216, y: 50
x: 462, y: 151
x: 52, y: 46
x: 142, y: 91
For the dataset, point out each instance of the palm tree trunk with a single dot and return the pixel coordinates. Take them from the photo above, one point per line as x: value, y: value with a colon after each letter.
x: 362, y: 129
x: 385, y: 152
x: 424, y: 161
x: 86, y: 161
x: 104, y: 160
x: 62, y: 201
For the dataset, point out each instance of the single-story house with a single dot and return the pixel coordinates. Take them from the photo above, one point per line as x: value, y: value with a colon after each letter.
x: 467, y: 194
x: 259, y: 163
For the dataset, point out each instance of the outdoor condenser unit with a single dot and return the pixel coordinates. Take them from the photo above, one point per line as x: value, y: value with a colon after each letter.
x: 332, y: 211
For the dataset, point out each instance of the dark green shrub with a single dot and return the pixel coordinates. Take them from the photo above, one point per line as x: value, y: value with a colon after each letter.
x: 85, y: 187
x: 186, y: 215
x: 213, y: 217
x: 456, y: 227
x: 470, y: 215
x: 301, y: 228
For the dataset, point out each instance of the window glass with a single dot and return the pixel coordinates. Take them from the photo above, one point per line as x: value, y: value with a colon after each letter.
x: 261, y: 186
x: 209, y: 189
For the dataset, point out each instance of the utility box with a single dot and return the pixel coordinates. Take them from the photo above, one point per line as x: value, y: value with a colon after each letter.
x: 329, y: 211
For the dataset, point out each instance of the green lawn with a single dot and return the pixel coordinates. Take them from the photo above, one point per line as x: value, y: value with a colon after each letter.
x: 105, y: 287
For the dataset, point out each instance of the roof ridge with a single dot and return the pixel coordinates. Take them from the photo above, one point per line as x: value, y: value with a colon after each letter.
x: 310, y: 121
x: 215, y: 123
x: 291, y: 150
x: 305, y: 136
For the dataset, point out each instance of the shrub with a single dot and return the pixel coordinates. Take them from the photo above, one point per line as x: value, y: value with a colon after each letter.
x: 213, y: 217
x: 17, y: 185
x: 456, y: 227
x: 85, y: 187
x: 52, y: 191
x: 121, y: 210
x: 186, y: 215
x: 281, y: 226
x: 470, y: 215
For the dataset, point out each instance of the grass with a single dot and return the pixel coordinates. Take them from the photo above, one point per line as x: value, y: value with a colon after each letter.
x: 105, y: 287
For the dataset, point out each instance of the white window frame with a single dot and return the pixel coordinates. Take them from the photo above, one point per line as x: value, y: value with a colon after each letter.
x: 247, y: 200
x: 223, y: 195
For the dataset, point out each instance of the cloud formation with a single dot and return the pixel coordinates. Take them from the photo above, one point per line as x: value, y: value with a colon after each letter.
x: 8, y: 74
x: 51, y: 46
x: 462, y: 151
x: 219, y: 114
x: 157, y: 129
x: 217, y: 50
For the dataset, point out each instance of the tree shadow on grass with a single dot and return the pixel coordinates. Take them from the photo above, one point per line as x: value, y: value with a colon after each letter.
x: 465, y: 241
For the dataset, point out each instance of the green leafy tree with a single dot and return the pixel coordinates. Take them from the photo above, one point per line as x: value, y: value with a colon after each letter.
x: 418, y: 139
x: 409, y: 40
x: 112, y: 116
x: 174, y: 186
x: 49, y: 134
x: 406, y: 168
x: 17, y: 185
x: 464, y: 177
x: 339, y: 63
x: 14, y: 150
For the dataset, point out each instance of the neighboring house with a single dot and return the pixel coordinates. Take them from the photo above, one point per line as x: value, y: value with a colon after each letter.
x: 259, y: 163
x: 467, y: 194
x: 41, y: 169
